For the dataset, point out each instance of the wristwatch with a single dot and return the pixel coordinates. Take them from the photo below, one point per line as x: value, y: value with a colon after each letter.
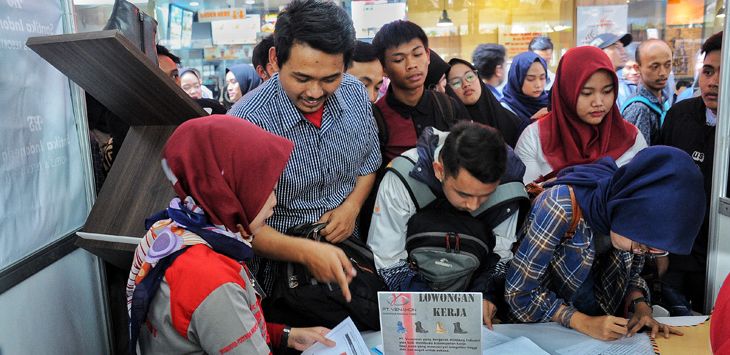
x: 638, y: 300
x: 284, y: 342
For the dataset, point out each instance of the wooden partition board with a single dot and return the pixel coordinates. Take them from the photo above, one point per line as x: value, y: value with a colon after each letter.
x: 115, y: 72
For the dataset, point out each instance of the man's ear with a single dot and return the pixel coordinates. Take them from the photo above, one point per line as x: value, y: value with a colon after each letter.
x: 438, y: 170
x: 272, y: 58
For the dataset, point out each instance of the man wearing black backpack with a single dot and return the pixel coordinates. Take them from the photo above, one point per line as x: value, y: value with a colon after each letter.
x: 458, y: 194
x: 408, y: 108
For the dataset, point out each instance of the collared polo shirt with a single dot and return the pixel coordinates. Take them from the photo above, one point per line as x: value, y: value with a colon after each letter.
x: 326, y: 161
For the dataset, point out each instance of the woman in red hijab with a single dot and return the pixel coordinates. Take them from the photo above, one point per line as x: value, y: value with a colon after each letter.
x: 189, y: 290
x: 584, y: 124
x: 720, y: 324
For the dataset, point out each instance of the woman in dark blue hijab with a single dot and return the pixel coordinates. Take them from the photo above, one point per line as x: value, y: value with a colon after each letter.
x: 589, y: 279
x: 525, y: 93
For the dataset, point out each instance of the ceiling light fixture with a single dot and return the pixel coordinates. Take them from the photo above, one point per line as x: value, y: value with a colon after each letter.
x: 194, y: 3
x: 444, y: 21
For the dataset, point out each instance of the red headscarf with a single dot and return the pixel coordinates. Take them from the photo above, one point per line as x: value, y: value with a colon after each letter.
x: 228, y: 165
x: 566, y: 140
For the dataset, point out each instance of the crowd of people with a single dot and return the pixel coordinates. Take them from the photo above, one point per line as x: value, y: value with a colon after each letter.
x: 618, y: 173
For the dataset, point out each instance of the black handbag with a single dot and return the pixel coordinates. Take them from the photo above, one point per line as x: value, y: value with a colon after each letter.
x: 136, y: 26
x: 301, y: 301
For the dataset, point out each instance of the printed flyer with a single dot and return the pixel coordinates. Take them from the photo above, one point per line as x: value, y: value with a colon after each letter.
x: 431, y: 322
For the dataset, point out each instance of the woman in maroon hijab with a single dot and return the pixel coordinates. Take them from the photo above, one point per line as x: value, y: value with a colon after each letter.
x: 189, y: 290
x: 584, y: 123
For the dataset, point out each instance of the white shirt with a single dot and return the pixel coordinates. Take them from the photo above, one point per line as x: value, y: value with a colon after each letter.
x: 529, y: 150
x: 394, y: 207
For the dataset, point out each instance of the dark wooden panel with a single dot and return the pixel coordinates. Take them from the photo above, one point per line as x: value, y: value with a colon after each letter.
x: 115, y: 72
x: 136, y: 187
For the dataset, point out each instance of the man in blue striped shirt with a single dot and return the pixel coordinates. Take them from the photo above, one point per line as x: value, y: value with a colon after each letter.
x: 326, y: 113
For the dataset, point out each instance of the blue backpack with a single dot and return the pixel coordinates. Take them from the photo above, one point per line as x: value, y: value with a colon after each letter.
x: 661, y: 111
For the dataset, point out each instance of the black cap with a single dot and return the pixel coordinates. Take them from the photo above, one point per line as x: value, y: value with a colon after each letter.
x: 604, y: 40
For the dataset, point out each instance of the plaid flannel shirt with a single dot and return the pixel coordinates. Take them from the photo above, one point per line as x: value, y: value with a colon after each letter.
x: 548, y: 269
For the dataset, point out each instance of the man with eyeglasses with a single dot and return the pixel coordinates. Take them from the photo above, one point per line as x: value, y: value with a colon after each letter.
x: 464, y: 84
x: 408, y: 107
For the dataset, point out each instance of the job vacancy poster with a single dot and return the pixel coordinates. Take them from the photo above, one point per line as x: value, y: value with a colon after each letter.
x: 431, y: 322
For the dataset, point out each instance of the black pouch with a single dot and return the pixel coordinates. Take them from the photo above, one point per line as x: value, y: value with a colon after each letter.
x: 136, y: 26
x: 301, y: 301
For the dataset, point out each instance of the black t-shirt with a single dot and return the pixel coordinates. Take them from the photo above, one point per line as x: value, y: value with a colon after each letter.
x: 685, y: 127
x: 426, y: 113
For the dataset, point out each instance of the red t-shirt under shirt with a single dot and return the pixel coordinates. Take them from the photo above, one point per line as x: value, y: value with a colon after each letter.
x: 315, y: 117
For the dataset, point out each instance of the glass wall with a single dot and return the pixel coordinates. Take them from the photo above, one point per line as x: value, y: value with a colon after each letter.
x: 512, y: 23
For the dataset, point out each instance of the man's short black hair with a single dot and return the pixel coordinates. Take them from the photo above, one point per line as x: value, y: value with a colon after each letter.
x: 478, y: 148
x: 487, y: 57
x: 162, y: 50
x: 714, y: 43
x: 396, y: 33
x: 320, y: 24
x: 364, y: 52
x: 540, y: 43
x: 260, y: 55
x: 686, y: 83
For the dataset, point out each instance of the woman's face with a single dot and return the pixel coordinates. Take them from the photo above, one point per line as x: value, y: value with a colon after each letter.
x: 596, y: 98
x: 534, y: 84
x: 266, y: 212
x: 466, y: 84
x: 622, y: 243
x: 191, y: 85
x: 232, y: 86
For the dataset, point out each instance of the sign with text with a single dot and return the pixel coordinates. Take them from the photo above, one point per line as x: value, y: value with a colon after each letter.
x: 515, y: 43
x: 43, y: 185
x: 369, y: 16
x: 595, y: 20
x: 431, y: 322
x: 235, y: 13
x: 236, y: 31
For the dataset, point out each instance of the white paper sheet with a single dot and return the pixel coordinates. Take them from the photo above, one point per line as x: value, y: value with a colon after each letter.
x: 682, y: 321
x: 519, y: 346
x: 348, y: 339
x: 639, y: 344
x: 548, y: 336
x: 491, y: 339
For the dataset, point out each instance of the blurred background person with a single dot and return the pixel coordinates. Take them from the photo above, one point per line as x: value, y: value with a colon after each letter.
x: 489, y: 60
x: 240, y: 79
x: 543, y: 46
x: 525, y: 93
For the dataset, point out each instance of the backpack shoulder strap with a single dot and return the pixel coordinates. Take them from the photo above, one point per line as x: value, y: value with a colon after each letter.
x: 644, y: 101
x: 382, y: 127
x: 446, y: 109
x: 420, y: 194
x: 577, y: 214
x: 506, y: 192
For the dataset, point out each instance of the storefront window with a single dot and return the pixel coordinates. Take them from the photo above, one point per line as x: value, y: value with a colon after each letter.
x: 211, y: 41
x: 512, y: 23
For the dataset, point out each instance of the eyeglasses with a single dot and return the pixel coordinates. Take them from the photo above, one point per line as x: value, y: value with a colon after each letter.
x: 468, y: 77
x: 641, y: 249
